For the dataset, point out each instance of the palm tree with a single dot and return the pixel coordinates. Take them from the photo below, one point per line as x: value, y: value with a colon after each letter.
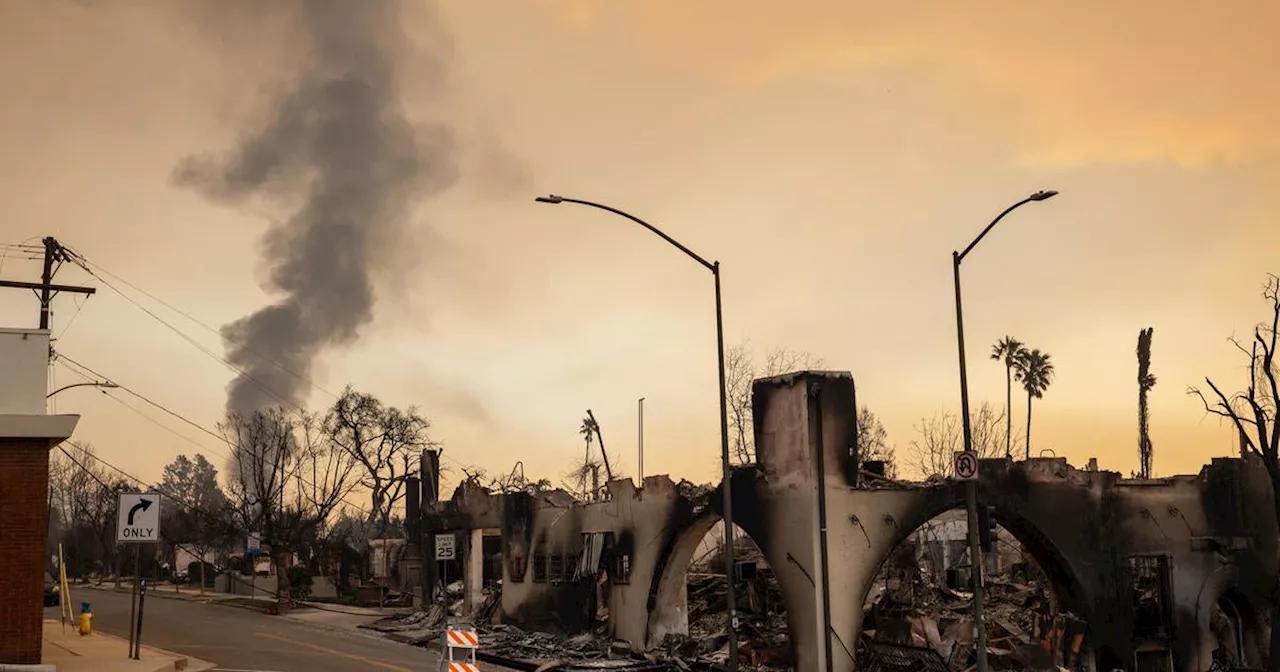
x: 1146, y: 381
x: 583, y: 473
x: 588, y: 432
x: 1008, y: 349
x: 1035, y: 372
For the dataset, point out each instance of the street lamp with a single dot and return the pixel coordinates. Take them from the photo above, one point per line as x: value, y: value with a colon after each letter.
x: 726, y: 491
x: 105, y: 385
x: 971, y: 487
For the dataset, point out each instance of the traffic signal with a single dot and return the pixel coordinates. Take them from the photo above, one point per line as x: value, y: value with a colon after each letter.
x: 986, y: 528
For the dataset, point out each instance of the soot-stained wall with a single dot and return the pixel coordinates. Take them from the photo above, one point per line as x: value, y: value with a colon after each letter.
x: 543, y: 542
x: 1213, y: 530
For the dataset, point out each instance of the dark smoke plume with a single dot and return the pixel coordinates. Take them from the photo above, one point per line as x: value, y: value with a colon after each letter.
x: 339, y: 152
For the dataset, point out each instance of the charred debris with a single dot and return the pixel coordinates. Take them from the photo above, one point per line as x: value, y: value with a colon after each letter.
x: 917, y: 615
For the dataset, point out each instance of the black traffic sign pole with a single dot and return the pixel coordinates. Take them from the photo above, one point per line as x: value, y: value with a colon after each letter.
x: 142, y: 598
x: 133, y: 598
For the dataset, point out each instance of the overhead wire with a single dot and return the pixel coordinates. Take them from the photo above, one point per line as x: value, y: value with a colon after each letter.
x: 139, y: 412
x: 191, y: 507
x: 344, y: 499
x: 94, y: 269
x: 184, y: 336
x: 97, y: 271
x: 59, y: 356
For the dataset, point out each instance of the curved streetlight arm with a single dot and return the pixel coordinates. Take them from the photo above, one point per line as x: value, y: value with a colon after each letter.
x: 971, y: 486
x: 108, y: 384
x: 1038, y: 196
x: 696, y: 257
x: 727, y: 484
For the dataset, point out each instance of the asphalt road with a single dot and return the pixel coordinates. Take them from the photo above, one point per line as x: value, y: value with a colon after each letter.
x: 241, y: 640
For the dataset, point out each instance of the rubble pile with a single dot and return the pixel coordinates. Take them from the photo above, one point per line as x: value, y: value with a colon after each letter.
x: 585, y: 651
x: 1022, y: 631
x: 763, y: 640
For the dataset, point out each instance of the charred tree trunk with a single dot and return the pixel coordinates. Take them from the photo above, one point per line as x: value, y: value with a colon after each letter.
x: 1029, y: 396
x: 1008, y: 409
x: 280, y: 559
x: 1145, y: 382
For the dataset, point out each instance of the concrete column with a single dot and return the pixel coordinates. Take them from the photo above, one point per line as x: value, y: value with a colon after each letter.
x: 473, y: 575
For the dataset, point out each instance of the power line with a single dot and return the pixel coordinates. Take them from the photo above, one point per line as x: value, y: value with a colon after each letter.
x: 192, y: 423
x: 135, y: 479
x: 65, y: 327
x: 89, y: 267
x: 177, y: 544
x: 228, y: 524
x: 148, y: 400
x: 80, y: 261
x: 146, y: 417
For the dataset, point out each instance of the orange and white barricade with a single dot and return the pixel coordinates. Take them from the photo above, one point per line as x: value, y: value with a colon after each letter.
x: 459, y: 650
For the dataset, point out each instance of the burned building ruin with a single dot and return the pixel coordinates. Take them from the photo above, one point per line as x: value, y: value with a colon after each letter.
x: 1142, y: 574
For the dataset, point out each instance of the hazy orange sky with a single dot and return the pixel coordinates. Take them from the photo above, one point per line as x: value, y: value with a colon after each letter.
x: 830, y: 154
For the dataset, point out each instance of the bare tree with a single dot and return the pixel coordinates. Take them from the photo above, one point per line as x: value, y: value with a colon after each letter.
x: 513, y: 482
x: 284, y: 481
x: 382, y: 440
x: 740, y: 371
x: 941, y: 436
x: 873, y: 441
x: 84, y: 494
x: 1146, y: 381
x: 1253, y: 413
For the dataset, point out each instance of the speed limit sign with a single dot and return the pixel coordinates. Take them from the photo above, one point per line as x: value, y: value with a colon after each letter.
x: 966, y: 465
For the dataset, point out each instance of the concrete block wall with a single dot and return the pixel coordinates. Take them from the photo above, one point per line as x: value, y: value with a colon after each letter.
x: 24, y: 485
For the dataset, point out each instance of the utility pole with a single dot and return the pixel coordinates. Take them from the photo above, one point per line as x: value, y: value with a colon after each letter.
x: 54, y: 256
x: 641, y: 443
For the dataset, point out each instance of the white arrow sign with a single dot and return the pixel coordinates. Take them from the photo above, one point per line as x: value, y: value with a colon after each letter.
x: 138, y: 518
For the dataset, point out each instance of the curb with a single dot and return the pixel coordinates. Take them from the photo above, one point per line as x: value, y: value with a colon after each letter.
x: 179, y: 662
x: 198, y: 599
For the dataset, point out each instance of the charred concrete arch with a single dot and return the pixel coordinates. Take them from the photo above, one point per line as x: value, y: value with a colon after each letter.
x: 1144, y: 561
x: 1036, y: 603
x: 1224, y: 600
x: 1065, y: 586
x: 668, y: 593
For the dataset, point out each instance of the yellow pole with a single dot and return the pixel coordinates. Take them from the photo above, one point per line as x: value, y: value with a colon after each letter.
x: 64, y: 606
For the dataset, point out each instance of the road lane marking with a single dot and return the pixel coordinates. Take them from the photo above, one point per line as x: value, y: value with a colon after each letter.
x: 344, y: 654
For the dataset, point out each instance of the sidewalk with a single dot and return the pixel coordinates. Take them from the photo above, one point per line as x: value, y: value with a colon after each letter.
x: 163, y: 591
x: 324, y: 615
x: 69, y: 652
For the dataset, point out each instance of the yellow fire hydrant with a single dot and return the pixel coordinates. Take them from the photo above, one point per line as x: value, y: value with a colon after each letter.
x: 86, y: 619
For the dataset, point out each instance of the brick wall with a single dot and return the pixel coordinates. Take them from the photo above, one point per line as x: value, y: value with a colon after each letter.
x: 24, y: 484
